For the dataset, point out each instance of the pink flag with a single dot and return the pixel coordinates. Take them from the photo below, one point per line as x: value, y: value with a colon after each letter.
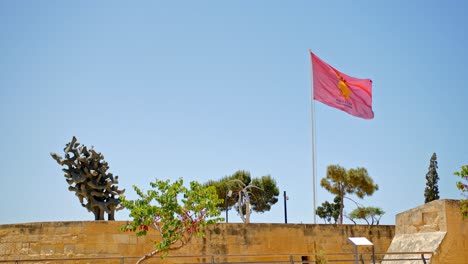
x: 341, y: 91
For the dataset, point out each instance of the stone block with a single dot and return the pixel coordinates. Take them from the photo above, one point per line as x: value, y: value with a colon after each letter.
x: 69, y: 249
x: 429, y: 228
x: 438, y: 217
x: 47, y: 249
x: 120, y: 238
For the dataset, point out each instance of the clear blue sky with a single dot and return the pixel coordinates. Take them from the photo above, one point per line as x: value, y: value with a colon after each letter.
x: 200, y: 89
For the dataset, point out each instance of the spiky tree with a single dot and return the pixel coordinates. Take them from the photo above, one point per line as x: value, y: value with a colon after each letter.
x: 431, y: 192
x: 86, y: 173
x: 342, y: 182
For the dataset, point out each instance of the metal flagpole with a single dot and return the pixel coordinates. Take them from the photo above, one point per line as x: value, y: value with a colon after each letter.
x: 313, y: 163
x: 313, y: 140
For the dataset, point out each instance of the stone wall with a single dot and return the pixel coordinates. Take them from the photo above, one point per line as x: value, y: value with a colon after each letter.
x: 436, y: 227
x: 103, y: 239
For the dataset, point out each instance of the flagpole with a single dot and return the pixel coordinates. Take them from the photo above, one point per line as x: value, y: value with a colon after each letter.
x: 313, y: 161
x: 313, y: 142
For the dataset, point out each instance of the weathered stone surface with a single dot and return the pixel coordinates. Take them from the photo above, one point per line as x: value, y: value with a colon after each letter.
x: 436, y: 227
x: 103, y: 239
x: 445, y: 238
x: 419, y: 242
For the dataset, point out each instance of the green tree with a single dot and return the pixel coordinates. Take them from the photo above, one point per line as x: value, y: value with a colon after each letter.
x: 369, y: 214
x: 173, y: 213
x: 247, y: 194
x: 431, y: 192
x: 463, y: 187
x: 342, y: 182
x: 328, y: 211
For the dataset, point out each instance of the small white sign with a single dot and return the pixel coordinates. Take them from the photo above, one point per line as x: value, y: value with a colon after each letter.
x: 360, y: 241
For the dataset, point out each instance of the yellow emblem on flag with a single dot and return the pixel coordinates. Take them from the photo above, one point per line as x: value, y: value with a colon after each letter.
x: 345, y: 91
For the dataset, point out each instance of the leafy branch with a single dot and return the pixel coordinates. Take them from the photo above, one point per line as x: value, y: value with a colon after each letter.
x: 175, y: 214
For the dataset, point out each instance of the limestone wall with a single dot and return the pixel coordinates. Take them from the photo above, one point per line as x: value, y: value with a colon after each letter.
x: 430, y: 217
x: 437, y: 227
x: 103, y: 239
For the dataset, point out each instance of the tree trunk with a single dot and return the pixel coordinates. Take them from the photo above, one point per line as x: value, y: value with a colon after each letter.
x: 147, y: 256
x: 239, y: 207
x: 101, y: 214
x: 247, y: 210
x: 341, y: 209
x: 154, y: 252
x: 110, y: 216
x: 97, y: 214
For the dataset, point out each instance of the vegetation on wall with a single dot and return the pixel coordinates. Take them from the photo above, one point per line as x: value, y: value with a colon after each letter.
x: 321, y: 258
x: 463, y: 187
x: 172, y: 214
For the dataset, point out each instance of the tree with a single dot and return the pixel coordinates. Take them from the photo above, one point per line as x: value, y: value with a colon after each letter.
x: 328, y: 211
x: 369, y: 214
x: 87, y: 175
x: 248, y: 194
x: 431, y: 192
x: 342, y: 182
x: 174, y: 212
x: 463, y: 187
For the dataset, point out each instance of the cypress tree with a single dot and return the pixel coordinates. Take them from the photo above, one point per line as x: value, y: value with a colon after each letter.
x: 431, y: 192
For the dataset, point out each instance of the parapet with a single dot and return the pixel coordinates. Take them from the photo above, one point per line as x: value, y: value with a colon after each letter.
x: 437, y: 227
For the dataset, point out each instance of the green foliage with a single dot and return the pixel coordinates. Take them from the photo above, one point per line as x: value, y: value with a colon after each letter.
x: 172, y: 212
x: 369, y: 214
x: 248, y: 194
x: 328, y: 211
x: 463, y: 187
x: 431, y: 192
x: 342, y: 182
x: 265, y: 195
